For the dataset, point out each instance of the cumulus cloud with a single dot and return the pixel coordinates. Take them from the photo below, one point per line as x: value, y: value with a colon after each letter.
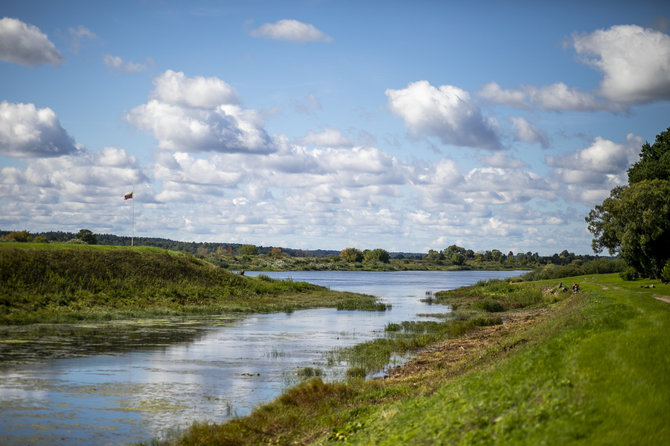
x: 292, y: 31
x: 557, y: 96
x: 480, y: 192
x: 329, y: 137
x: 117, y: 63
x: 25, y: 44
x: 199, y: 114
x: 527, y: 132
x: 30, y: 132
x: 502, y: 159
x: 495, y: 93
x: 175, y: 88
x: 73, y: 191
x: 635, y: 62
x: 84, y: 177
x: 446, y: 112
x: 590, y: 173
x: 184, y: 168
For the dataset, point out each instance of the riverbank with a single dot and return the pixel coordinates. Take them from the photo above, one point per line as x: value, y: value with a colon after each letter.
x: 587, y: 368
x: 62, y: 283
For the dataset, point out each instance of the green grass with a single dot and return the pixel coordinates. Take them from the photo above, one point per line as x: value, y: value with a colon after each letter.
x: 68, y: 283
x: 592, y: 369
x: 594, y: 373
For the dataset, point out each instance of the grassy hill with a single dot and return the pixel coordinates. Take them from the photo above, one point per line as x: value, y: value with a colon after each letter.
x: 61, y: 282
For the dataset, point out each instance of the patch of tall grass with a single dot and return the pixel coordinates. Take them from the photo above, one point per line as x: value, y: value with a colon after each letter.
x: 493, y: 296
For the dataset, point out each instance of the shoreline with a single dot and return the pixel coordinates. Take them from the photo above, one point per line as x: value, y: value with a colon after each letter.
x: 526, y: 381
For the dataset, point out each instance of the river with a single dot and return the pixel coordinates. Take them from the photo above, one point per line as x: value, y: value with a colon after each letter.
x: 119, y: 383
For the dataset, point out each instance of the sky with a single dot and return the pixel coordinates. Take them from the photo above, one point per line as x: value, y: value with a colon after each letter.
x: 323, y: 124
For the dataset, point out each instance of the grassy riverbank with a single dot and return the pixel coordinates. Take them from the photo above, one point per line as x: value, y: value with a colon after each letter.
x: 587, y: 368
x: 66, y: 283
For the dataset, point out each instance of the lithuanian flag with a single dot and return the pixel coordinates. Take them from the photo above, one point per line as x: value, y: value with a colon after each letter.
x: 128, y: 196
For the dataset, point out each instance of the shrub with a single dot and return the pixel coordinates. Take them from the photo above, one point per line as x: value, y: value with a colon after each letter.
x: 665, y: 273
x: 629, y: 274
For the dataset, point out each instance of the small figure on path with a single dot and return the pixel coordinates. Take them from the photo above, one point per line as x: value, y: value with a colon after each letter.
x: 575, y: 287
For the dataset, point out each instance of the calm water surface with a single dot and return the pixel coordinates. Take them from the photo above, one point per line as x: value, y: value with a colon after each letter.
x: 132, y: 382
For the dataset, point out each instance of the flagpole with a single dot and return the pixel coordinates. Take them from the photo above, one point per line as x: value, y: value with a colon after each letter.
x: 132, y: 234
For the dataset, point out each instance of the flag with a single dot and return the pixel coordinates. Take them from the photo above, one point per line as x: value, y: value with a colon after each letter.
x: 128, y: 196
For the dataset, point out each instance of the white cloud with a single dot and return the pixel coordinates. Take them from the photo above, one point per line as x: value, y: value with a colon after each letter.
x: 502, y: 159
x: 199, y: 114
x: 446, y: 112
x: 96, y: 178
x: 527, y: 132
x: 329, y: 137
x: 117, y: 63
x: 26, y: 131
x: 589, y: 174
x: 635, y: 62
x: 184, y: 168
x: 175, y: 88
x: 559, y: 96
x: 291, y: 30
x: 494, y: 93
x: 73, y: 191
x: 26, y: 45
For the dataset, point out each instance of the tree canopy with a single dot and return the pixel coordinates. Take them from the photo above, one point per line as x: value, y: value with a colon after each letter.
x: 87, y: 236
x: 635, y: 219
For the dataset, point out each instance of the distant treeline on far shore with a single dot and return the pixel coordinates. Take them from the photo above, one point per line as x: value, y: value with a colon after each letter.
x: 451, y: 256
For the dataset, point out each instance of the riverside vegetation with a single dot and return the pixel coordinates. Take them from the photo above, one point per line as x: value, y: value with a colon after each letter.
x: 515, y: 363
x: 55, y: 282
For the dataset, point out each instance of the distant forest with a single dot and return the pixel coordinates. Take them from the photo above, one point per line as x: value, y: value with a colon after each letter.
x: 447, y: 256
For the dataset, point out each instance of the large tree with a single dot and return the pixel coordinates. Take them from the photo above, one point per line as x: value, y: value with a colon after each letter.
x: 635, y: 219
x: 86, y: 236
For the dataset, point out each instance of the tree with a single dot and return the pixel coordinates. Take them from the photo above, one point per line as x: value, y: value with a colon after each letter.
x: 87, y: 237
x: 276, y: 253
x: 635, y: 222
x: 654, y: 163
x: 248, y: 250
x: 434, y: 256
x: 351, y: 255
x: 19, y: 236
x: 377, y: 255
x: 457, y: 258
x: 635, y: 219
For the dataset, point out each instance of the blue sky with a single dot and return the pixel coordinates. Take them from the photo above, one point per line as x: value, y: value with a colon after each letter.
x: 406, y: 126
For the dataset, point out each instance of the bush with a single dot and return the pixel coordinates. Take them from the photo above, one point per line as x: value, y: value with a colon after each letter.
x: 665, y: 273
x: 629, y: 274
x: 596, y: 266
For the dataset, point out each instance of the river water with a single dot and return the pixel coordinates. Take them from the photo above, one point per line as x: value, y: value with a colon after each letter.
x: 116, y: 383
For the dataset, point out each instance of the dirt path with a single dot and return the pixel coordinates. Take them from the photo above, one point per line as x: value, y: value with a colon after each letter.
x: 663, y: 299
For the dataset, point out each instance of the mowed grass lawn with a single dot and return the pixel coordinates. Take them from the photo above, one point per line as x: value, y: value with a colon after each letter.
x: 591, y: 368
